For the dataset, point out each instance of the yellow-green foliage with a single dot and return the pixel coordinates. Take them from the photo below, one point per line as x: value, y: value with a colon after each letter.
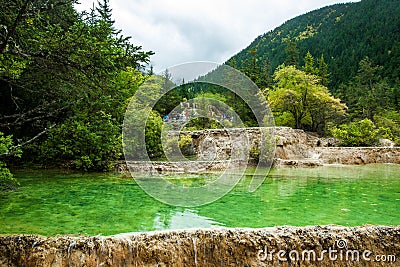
x: 303, y: 97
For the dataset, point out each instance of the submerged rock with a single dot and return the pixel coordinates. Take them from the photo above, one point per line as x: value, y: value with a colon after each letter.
x: 281, y: 246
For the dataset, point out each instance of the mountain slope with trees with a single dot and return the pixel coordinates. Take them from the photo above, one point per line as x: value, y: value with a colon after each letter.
x: 343, y: 34
x: 352, y: 50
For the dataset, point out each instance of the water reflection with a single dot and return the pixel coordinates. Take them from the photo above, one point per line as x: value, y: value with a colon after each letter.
x: 182, y: 220
x: 51, y: 203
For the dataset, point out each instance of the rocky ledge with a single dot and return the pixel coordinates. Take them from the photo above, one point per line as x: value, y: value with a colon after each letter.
x: 294, y: 147
x: 280, y: 246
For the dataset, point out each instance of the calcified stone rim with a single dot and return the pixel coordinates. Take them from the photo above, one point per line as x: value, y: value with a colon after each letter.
x: 202, y: 247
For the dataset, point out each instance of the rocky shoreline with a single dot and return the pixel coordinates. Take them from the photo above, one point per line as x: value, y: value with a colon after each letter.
x: 343, y: 246
x: 344, y: 156
x: 294, y: 147
x: 321, y: 156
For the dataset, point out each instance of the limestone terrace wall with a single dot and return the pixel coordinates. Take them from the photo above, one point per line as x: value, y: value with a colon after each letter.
x: 281, y: 246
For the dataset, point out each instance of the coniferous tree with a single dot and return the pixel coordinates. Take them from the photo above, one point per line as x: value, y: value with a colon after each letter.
x: 292, y: 54
x: 323, y: 72
x: 309, y: 64
x: 104, y: 10
x: 58, y: 82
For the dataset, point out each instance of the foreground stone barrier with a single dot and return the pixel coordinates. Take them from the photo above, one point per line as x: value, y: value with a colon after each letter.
x: 281, y: 246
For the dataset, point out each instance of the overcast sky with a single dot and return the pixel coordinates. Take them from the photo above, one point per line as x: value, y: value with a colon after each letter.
x: 180, y: 31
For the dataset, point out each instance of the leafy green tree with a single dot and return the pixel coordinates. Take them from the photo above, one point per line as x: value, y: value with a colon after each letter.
x: 140, y: 109
x: 153, y: 135
x: 125, y: 85
x: 91, y: 142
x: 64, y: 57
x: 323, y: 109
x: 389, y: 126
x: 303, y: 96
x: 69, y: 72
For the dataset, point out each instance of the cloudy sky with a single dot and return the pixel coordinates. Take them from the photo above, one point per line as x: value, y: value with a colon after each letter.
x: 180, y: 31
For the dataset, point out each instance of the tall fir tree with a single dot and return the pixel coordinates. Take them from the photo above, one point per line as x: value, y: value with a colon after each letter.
x: 309, y: 64
x: 323, y: 71
x: 292, y: 54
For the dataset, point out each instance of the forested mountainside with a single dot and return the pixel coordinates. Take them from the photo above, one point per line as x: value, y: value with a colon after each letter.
x: 343, y: 34
x: 335, y: 66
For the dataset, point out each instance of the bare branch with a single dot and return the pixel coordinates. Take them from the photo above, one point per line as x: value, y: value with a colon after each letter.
x: 14, y: 149
x: 21, y: 119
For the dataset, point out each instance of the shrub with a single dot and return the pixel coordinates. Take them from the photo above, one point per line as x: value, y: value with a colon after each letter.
x: 153, y: 135
x: 90, y: 144
x: 359, y: 133
x: 7, y: 180
x: 388, y: 128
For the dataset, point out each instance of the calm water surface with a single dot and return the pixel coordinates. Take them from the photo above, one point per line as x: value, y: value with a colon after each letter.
x: 53, y: 202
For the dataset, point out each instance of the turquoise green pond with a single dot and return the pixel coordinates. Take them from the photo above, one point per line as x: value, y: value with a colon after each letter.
x: 52, y: 202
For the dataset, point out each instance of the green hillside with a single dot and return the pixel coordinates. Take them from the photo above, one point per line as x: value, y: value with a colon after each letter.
x: 335, y: 70
x: 344, y: 34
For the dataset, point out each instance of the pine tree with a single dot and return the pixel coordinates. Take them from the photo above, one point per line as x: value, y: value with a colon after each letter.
x: 292, y: 54
x: 251, y: 68
x: 323, y: 71
x: 309, y: 64
x: 369, y: 93
x: 265, y: 77
x: 105, y: 11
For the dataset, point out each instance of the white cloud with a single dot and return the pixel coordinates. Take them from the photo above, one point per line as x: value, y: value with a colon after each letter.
x: 201, y: 30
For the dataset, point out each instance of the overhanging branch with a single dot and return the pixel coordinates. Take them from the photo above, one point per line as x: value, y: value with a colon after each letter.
x: 14, y: 149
